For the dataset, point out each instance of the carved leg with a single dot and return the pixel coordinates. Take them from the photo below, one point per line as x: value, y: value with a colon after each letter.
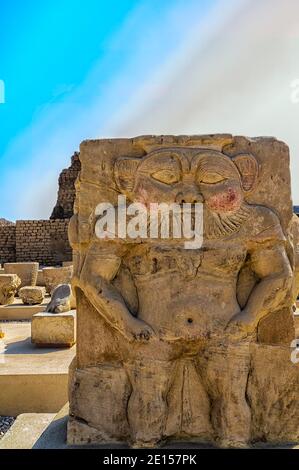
x: 147, y: 408
x: 225, y: 371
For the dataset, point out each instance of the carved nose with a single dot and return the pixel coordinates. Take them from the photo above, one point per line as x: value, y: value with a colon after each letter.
x: 189, y: 196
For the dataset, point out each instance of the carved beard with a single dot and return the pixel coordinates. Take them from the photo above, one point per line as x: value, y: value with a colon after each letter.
x: 221, y: 225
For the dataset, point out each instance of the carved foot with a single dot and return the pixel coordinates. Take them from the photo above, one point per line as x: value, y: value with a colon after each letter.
x: 146, y: 444
x: 231, y: 444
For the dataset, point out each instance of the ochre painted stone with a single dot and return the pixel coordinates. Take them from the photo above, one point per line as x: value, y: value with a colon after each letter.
x: 176, y: 343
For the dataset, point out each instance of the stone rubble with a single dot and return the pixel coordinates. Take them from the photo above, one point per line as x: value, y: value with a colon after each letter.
x: 5, y: 423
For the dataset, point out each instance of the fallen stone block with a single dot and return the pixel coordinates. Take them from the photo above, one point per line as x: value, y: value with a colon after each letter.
x: 32, y: 380
x: 55, y: 276
x: 32, y: 295
x: 9, y: 284
x: 57, y: 330
x: 27, y: 272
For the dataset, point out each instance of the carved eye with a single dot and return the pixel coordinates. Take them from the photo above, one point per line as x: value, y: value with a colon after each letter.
x: 166, y: 176
x: 211, y: 178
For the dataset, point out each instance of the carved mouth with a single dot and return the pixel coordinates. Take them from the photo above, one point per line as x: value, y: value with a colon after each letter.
x: 189, y: 215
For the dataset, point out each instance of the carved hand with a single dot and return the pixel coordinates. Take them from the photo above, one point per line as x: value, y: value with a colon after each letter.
x: 138, y: 330
x: 109, y: 303
x: 242, y: 322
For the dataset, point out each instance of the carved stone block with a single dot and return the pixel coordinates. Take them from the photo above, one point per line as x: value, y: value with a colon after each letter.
x: 55, y: 276
x: 9, y: 284
x: 55, y: 330
x: 176, y: 342
x: 32, y: 295
x: 27, y: 272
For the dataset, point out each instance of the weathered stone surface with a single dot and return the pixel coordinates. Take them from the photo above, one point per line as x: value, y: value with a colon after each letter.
x: 273, y: 394
x: 90, y: 397
x: 40, y: 278
x: 191, y: 330
x: 9, y: 284
x: 55, y: 276
x: 62, y: 299
x: 294, y: 234
x: 48, y: 329
x: 32, y: 295
x: 296, y: 323
x: 27, y: 272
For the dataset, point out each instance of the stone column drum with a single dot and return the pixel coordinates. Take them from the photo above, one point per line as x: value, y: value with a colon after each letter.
x: 184, y: 343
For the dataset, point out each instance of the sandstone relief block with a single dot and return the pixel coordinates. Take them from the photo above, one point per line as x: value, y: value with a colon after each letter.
x: 177, y: 343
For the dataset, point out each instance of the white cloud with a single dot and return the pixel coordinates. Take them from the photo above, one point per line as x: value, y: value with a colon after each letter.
x: 233, y: 75
x: 58, y: 127
x: 231, y: 71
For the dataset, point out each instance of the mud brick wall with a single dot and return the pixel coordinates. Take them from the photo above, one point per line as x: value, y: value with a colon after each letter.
x: 66, y: 191
x: 7, y: 243
x: 45, y: 241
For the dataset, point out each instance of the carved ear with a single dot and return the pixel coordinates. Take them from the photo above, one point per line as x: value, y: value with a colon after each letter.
x: 248, y: 168
x: 125, y: 172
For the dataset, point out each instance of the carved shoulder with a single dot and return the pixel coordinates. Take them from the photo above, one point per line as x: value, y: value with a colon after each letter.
x: 264, y: 226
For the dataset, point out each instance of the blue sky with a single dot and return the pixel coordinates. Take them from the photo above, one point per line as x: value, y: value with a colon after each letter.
x: 75, y: 70
x: 49, y: 50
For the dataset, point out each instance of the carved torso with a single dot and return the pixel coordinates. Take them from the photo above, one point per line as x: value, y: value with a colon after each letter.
x: 192, y: 294
x: 185, y: 294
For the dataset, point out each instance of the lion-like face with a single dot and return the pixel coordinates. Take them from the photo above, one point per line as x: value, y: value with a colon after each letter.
x: 188, y: 175
x: 220, y: 184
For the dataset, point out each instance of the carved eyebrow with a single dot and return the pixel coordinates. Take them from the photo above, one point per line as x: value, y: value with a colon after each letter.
x: 221, y: 167
x: 160, y: 163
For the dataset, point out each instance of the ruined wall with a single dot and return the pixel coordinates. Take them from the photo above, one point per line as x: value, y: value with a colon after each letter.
x: 7, y: 243
x: 45, y: 241
x: 66, y: 191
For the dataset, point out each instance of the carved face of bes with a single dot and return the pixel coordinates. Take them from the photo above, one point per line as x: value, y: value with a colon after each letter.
x: 188, y: 175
